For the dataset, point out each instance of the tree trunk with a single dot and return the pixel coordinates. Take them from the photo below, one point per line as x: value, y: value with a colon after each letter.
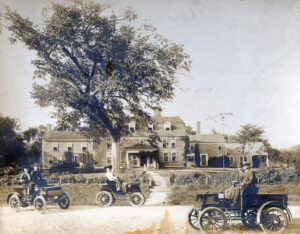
x: 115, y: 155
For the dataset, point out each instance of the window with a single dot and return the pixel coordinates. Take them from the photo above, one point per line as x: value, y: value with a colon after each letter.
x: 150, y: 127
x: 220, y: 147
x: 174, y: 156
x: 231, y: 159
x: 55, y: 147
x: 108, y: 143
x: 173, y: 144
x: 141, y: 141
x: 131, y: 126
x: 108, y: 157
x: 69, y: 147
x: 83, y: 147
x: 51, y: 162
x: 192, y: 146
x: 191, y: 157
x: 167, y: 126
x: 166, y: 157
x: 165, y: 143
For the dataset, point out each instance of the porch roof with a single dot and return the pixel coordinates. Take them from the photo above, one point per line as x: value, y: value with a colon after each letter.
x: 140, y: 147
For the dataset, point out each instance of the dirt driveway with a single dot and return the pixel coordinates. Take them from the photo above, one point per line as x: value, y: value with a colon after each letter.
x: 115, y: 219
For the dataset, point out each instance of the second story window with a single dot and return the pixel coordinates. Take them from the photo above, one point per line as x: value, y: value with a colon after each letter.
x: 108, y: 143
x: 69, y: 146
x: 192, y: 146
x: 167, y: 126
x: 55, y: 147
x: 165, y: 143
x: 220, y: 147
x: 173, y: 143
x: 131, y: 126
x: 83, y: 147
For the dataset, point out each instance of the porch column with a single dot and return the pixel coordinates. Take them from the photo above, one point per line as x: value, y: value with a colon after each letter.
x: 148, y: 160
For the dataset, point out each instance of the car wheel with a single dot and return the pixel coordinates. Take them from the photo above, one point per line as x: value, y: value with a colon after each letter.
x: 104, y: 198
x: 193, y: 218
x: 14, y: 203
x: 136, y: 199
x: 249, y: 218
x: 64, y: 201
x: 273, y: 220
x: 40, y: 204
x: 212, y: 220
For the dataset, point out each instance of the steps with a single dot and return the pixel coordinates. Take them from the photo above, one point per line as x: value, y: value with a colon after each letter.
x: 158, y: 194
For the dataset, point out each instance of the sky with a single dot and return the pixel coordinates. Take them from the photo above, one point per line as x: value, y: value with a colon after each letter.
x: 245, y: 61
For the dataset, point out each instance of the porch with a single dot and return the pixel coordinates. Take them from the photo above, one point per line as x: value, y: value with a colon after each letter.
x: 139, y: 156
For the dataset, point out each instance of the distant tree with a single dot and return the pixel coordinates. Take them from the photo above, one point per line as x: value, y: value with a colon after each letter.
x: 273, y: 153
x: 32, y: 138
x: 247, y: 135
x: 11, y: 143
x: 99, y: 70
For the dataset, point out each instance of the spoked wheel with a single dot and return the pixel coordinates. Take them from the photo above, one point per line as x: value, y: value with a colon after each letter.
x: 274, y: 220
x: 193, y: 219
x: 64, y: 201
x: 136, y: 199
x: 40, y: 204
x: 249, y: 218
x: 212, y: 220
x: 104, y: 199
x: 14, y: 203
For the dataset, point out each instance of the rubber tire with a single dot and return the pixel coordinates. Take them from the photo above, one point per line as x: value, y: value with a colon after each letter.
x: 192, y: 213
x: 283, y: 215
x: 44, y: 204
x: 213, y: 209
x: 141, y: 196
x: 17, y: 199
x: 59, y: 203
x: 108, y: 194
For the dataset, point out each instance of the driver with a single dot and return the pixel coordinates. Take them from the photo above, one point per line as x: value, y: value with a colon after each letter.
x: 247, y: 183
x: 110, y: 176
x: 36, y: 175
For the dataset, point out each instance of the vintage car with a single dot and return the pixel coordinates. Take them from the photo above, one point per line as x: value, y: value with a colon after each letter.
x: 214, y: 212
x: 109, y: 194
x: 24, y: 195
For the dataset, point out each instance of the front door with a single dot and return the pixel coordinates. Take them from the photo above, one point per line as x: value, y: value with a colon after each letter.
x: 133, y: 159
x: 203, y: 159
x: 143, y: 159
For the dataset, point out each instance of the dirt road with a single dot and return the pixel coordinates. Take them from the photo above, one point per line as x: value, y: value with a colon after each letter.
x: 115, y: 219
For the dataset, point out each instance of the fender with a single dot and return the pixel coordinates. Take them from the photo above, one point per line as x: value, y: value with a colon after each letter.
x: 9, y: 195
x: 289, y: 214
x: 259, y: 212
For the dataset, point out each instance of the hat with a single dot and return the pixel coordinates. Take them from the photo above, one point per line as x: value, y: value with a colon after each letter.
x: 109, y: 166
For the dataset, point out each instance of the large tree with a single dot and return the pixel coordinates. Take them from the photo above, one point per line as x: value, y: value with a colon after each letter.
x: 99, y: 69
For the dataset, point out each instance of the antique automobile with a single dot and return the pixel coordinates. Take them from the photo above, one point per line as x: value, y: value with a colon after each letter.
x: 109, y: 194
x: 24, y: 195
x: 213, y: 212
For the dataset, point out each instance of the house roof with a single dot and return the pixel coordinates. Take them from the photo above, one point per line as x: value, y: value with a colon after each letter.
x: 207, y: 138
x: 163, y: 119
x: 64, y: 135
x: 141, y: 147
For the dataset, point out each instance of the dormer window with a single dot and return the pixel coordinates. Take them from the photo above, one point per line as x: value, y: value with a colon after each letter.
x: 150, y: 127
x: 167, y: 126
x: 131, y: 126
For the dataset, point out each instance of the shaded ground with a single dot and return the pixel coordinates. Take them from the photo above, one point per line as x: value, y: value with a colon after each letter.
x: 115, y: 219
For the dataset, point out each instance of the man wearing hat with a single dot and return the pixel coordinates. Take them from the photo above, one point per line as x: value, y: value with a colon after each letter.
x: 247, y: 183
x: 36, y: 175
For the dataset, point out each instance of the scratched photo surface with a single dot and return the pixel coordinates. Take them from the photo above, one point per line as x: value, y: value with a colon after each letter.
x: 135, y: 116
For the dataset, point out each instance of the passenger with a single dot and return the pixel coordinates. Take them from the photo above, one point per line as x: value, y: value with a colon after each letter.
x: 25, y: 180
x: 110, y: 176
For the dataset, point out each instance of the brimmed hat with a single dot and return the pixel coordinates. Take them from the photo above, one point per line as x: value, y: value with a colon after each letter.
x: 109, y: 166
x: 246, y: 164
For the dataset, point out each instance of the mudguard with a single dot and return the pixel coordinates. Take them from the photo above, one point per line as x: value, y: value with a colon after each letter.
x: 276, y: 204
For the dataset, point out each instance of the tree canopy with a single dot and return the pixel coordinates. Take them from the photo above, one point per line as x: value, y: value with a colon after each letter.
x: 98, y: 69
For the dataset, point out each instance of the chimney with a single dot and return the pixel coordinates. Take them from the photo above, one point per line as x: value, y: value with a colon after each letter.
x: 157, y: 113
x: 198, y: 128
x: 49, y: 128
